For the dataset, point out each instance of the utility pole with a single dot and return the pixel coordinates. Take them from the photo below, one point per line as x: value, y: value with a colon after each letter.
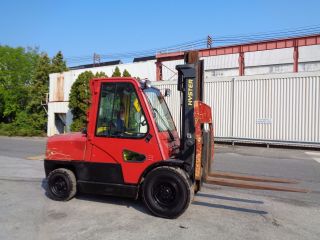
x: 96, y: 59
x: 209, y: 41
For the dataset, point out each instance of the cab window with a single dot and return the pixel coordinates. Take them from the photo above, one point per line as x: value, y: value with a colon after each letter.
x: 120, y: 113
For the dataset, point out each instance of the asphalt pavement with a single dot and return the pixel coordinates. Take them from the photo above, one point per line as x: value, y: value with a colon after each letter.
x: 216, y: 213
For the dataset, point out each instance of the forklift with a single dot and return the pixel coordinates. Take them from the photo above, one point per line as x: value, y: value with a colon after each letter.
x: 131, y: 147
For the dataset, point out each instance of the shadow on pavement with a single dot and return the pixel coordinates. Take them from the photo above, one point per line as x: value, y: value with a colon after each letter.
x: 136, y: 204
x: 129, y: 203
x: 220, y: 206
x: 229, y: 198
x: 139, y: 206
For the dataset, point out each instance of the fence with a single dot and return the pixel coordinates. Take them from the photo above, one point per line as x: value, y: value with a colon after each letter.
x: 282, y: 108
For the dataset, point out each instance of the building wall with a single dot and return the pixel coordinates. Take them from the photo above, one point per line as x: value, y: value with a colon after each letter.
x: 221, y: 65
x: 142, y: 70
x: 169, y: 71
x: 262, y: 62
x: 309, y: 58
x: 269, y: 61
x: 274, y: 107
x: 54, y: 108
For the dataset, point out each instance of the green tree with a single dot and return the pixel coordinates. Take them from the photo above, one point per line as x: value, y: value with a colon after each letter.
x: 79, y: 99
x: 126, y: 73
x: 58, y: 63
x: 24, y: 80
x: 116, y: 72
x: 17, y: 71
x: 17, y: 67
x: 38, y: 90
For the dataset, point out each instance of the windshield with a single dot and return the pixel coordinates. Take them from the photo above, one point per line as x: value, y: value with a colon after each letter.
x: 160, y: 109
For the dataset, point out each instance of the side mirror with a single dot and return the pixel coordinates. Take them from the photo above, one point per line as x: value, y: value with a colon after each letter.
x: 167, y: 92
x: 84, y: 131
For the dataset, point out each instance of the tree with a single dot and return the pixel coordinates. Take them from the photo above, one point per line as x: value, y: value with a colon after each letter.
x: 38, y: 90
x: 126, y: 73
x: 17, y: 72
x: 17, y: 67
x: 116, y: 72
x: 79, y: 99
x: 58, y: 64
x: 24, y: 80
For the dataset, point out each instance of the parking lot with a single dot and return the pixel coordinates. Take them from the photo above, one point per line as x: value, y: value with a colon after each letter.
x: 216, y: 213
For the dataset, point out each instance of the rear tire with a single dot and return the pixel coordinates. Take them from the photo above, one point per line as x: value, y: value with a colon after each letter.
x: 167, y: 192
x: 62, y: 184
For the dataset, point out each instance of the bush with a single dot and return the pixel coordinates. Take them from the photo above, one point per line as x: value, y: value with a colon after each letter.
x: 116, y: 72
x: 12, y: 129
x: 126, y: 73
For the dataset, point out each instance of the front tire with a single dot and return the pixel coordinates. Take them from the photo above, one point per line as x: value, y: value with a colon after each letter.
x: 62, y: 184
x: 167, y: 192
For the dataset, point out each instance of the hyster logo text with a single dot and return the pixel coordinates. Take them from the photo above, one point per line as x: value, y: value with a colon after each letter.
x: 190, y: 92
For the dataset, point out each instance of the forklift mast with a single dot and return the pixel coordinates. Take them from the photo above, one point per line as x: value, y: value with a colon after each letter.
x: 191, y: 87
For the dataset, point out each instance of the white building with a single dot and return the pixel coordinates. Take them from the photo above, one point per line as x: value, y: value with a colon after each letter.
x: 295, y: 58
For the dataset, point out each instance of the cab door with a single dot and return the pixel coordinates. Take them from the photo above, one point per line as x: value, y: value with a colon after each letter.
x: 123, y: 141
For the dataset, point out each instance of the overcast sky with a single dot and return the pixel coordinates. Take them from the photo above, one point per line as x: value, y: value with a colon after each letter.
x: 79, y: 28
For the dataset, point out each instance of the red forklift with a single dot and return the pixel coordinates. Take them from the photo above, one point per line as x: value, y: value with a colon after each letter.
x: 131, y: 147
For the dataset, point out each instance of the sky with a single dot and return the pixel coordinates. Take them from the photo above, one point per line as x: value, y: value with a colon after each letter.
x: 80, y: 28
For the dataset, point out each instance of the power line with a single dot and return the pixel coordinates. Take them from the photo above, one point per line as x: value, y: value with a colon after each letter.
x: 282, y: 31
x: 270, y: 35
x: 153, y: 51
x: 203, y: 42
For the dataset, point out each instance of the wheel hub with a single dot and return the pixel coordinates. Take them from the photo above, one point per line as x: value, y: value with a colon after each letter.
x: 165, y: 194
x: 59, y: 186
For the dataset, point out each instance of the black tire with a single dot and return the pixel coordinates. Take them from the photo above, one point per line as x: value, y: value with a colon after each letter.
x: 62, y: 184
x: 167, y: 192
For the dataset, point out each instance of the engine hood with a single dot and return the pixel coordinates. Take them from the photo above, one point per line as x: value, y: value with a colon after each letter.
x: 69, y: 146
